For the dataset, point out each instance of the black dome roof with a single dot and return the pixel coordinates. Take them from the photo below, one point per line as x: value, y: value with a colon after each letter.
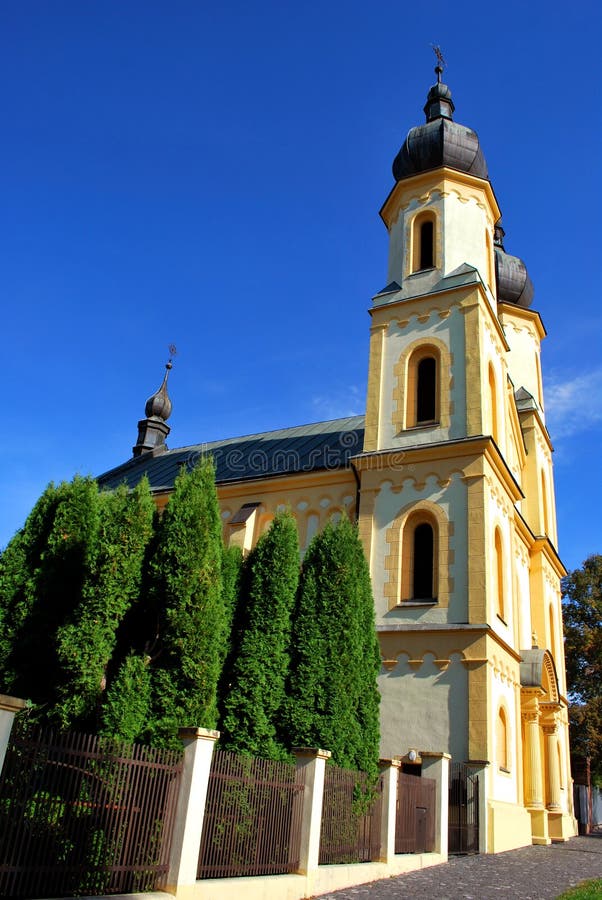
x: 159, y: 405
x: 511, y: 276
x: 441, y: 141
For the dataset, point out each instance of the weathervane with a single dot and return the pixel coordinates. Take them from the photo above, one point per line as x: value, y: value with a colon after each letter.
x: 440, y: 61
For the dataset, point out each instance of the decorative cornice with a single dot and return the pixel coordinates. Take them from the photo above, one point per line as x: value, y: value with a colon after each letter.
x: 529, y: 315
x: 422, y: 186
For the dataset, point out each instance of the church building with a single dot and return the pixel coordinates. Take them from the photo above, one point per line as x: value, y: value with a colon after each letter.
x: 449, y: 475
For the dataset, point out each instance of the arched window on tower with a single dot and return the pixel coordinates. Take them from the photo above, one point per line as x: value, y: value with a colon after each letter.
x: 423, y: 242
x: 539, y: 380
x: 552, y: 632
x: 493, y: 405
x: 423, y: 387
x: 422, y: 582
x: 426, y: 390
x: 489, y: 262
x: 419, y: 558
x: 545, y: 515
x: 499, y: 574
x: 501, y: 740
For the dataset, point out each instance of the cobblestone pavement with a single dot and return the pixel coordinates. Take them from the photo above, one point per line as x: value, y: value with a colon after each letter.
x: 531, y: 873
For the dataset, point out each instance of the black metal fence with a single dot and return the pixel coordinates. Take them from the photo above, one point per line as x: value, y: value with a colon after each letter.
x: 252, y: 823
x: 415, y: 818
x: 351, y: 817
x: 84, y: 815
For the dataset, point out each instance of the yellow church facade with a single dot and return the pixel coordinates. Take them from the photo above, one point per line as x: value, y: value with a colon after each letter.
x: 449, y: 475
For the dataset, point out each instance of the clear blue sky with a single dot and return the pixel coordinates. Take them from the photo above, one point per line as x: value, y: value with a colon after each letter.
x: 210, y: 175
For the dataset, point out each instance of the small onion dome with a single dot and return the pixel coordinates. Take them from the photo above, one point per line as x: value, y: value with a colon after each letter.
x: 512, y: 279
x: 441, y: 142
x: 159, y: 404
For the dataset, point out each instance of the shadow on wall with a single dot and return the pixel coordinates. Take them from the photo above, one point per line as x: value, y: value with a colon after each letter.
x: 415, y: 715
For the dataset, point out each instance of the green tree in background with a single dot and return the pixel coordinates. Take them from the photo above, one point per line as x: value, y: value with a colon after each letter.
x: 261, y: 654
x: 582, y: 614
x: 86, y: 642
x: 186, y: 588
x: 333, y: 697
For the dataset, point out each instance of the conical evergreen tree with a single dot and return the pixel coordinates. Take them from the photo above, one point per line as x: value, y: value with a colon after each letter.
x: 333, y: 696
x: 254, y: 704
x: 19, y: 563
x: 86, y: 643
x: 186, y: 588
x: 66, y: 540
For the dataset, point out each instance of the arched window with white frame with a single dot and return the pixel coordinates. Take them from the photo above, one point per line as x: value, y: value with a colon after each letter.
x: 502, y: 745
x: 493, y: 401
x: 424, y: 234
x: 498, y: 574
x: 423, y: 387
x: 419, y: 560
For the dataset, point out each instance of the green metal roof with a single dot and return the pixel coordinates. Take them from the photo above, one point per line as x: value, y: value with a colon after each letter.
x: 304, y: 448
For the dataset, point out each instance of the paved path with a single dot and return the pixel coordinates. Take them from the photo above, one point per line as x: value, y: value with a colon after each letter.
x: 531, y: 873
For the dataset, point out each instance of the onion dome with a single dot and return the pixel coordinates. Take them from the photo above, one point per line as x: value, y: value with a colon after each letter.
x: 441, y: 142
x: 153, y: 430
x: 512, y: 279
x: 160, y: 404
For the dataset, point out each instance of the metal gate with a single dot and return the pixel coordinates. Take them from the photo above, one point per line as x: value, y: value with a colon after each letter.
x: 463, y: 829
x: 415, y: 816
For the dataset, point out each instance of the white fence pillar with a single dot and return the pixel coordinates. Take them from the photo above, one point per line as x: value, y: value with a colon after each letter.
x: 190, y: 811
x: 436, y: 766
x: 9, y: 707
x: 390, y: 774
x: 312, y: 763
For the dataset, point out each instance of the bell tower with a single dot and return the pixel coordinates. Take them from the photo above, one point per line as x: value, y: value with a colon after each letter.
x: 457, y: 511
x: 440, y: 292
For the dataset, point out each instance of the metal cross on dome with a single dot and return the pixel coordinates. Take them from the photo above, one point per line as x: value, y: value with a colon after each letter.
x: 440, y: 60
x: 172, y: 352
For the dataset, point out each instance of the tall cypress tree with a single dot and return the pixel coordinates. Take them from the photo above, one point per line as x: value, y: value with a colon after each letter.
x: 19, y: 563
x: 186, y: 588
x: 86, y: 642
x: 255, y: 701
x: 333, y: 696
x: 66, y: 544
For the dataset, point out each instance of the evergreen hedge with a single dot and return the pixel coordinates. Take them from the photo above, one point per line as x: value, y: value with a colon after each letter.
x: 253, y: 707
x: 126, y: 709
x: 186, y: 589
x: 333, y: 698
x: 19, y: 562
x: 112, y: 583
x: 114, y: 617
x: 58, y: 546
